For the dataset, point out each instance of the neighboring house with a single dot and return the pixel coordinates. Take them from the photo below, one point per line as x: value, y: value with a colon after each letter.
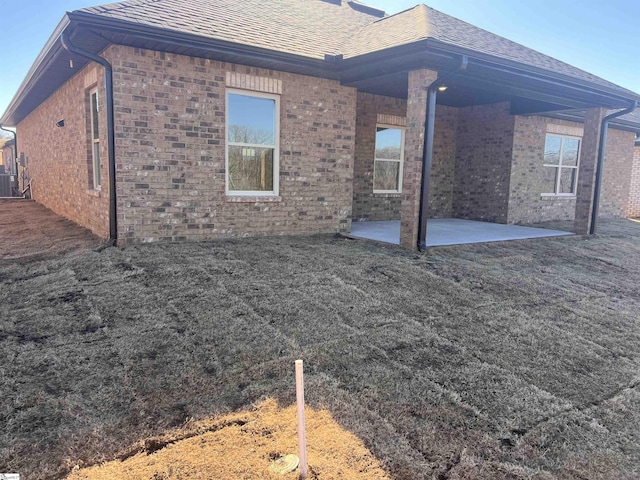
x: 266, y: 117
x: 8, y: 157
x: 2, y: 142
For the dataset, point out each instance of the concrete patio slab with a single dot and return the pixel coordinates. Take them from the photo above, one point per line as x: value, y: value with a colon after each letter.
x: 452, y: 231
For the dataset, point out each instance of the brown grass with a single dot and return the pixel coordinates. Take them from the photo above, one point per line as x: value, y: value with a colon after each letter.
x: 243, y: 445
x: 507, y: 360
x: 29, y: 231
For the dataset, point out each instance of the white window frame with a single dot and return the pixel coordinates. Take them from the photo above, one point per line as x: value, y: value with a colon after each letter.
x: 275, y: 146
x: 95, y: 141
x: 559, y: 166
x: 400, y: 161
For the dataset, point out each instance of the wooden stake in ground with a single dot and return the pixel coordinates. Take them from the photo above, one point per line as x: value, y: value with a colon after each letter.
x: 302, y: 433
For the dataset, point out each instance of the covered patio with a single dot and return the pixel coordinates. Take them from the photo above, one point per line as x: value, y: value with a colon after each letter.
x: 451, y: 231
x: 463, y: 151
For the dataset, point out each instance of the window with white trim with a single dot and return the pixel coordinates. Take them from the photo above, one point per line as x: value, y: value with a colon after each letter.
x: 253, y: 132
x: 95, y: 137
x: 388, y: 161
x: 561, y: 163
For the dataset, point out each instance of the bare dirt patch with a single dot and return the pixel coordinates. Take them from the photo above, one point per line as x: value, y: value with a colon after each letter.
x: 243, y: 445
x: 507, y: 360
x: 29, y: 230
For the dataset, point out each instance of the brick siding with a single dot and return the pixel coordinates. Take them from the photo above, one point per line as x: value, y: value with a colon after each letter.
x: 527, y: 205
x: 366, y: 204
x: 419, y: 81
x: 616, y: 180
x: 58, y: 159
x: 170, y: 144
x: 484, y: 144
x: 386, y: 206
x: 633, y: 209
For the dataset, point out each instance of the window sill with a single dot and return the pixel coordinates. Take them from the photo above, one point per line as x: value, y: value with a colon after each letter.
x: 94, y: 193
x: 252, y: 199
x: 387, y: 194
x: 551, y: 196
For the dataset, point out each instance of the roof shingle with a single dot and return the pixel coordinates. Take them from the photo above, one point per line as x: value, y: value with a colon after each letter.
x: 423, y: 22
x: 310, y: 28
x: 313, y: 28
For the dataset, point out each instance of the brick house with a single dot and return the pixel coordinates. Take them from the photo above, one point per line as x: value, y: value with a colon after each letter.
x: 176, y: 119
x: 634, y: 194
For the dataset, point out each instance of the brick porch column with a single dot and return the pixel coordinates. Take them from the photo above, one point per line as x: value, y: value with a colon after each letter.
x: 419, y: 81
x: 587, y: 171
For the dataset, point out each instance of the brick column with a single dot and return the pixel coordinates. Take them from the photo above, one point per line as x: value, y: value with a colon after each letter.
x: 419, y: 81
x: 587, y: 171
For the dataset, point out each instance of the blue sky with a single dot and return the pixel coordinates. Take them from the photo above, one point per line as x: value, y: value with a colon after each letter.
x: 599, y: 36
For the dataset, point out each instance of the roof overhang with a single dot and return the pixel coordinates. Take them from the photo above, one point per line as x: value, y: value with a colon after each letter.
x: 54, y: 65
x: 541, y: 89
x: 531, y: 90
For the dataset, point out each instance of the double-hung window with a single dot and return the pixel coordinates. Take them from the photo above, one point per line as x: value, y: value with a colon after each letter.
x: 95, y: 137
x: 252, y: 143
x: 561, y: 161
x: 389, y: 155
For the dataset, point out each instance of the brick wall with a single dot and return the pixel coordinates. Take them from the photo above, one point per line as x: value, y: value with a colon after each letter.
x: 170, y: 143
x: 384, y: 206
x: 527, y: 205
x: 634, y: 189
x: 484, y: 144
x: 418, y: 83
x: 366, y: 204
x: 616, y: 180
x: 443, y: 163
x: 58, y: 159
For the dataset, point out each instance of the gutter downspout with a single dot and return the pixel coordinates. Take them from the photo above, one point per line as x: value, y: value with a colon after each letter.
x: 600, y: 165
x: 111, y: 143
x: 427, y: 156
x: 15, y: 154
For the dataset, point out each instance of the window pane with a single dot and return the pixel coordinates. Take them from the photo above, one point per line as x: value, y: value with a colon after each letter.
x: 570, y: 151
x: 552, y: 150
x: 386, y: 175
x: 94, y: 115
x: 549, y: 179
x: 251, y: 119
x: 96, y: 164
x: 388, y: 143
x: 250, y: 169
x: 567, y: 180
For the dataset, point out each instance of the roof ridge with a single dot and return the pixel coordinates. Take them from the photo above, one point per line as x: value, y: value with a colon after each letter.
x: 423, y: 17
x: 387, y: 17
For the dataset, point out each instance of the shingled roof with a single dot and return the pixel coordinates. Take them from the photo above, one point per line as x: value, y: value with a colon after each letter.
x: 313, y: 28
x: 310, y: 28
x: 422, y: 22
x: 308, y: 37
